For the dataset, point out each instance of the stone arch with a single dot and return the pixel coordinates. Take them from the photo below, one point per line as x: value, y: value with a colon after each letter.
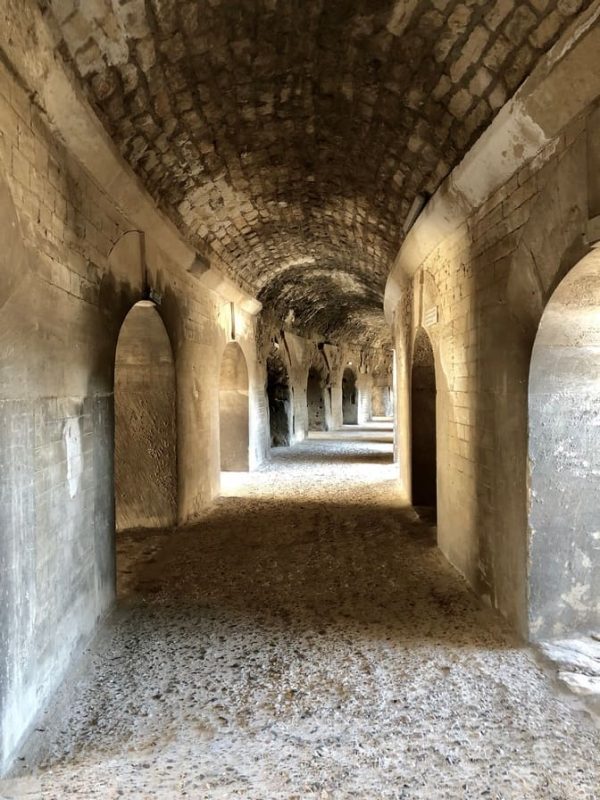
x: 280, y: 401
x: 551, y: 241
x: 550, y: 244
x: 564, y: 458
x: 145, y: 422
x: 315, y: 400
x: 234, y: 427
x: 349, y: 397
x: 423, y: 423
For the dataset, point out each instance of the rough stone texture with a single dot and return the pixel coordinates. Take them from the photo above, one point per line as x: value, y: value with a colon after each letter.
x: 564, y: 458
x: 145, y: 423
x: 577, y: 661
x: 280, y: 401
x: 69, y: 273
x: 291, y: 139
x: 316, y: 398
x: 383, y: 387
x: 301, y: 195
x: 306, y: 640
x: 234, y: 410
x: 489, y: 282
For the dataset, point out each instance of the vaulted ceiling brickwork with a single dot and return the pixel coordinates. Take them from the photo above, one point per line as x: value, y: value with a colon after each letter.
x: 290, y: 137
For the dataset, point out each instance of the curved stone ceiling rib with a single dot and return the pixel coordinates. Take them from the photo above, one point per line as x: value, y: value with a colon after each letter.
x: 290, y: 137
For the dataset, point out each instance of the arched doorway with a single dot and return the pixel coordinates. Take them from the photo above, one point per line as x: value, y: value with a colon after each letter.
x: 383, y: 401
x: 315, y: 401
x: 280, y: 407
x: 145, y: 422
x: 564, y: 459
x: 234, y: 427
x: 423, y: 423
x: 349, y: 398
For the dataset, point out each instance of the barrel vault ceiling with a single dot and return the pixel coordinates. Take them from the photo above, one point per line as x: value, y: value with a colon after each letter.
x: 291, y: 137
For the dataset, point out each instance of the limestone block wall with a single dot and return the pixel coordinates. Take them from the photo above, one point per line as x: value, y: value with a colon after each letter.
x: 58, y: 327
x: 145, y: 423
x: 480, y: 295
x: 383, y: 389
x: 72, y: 266
x: 564, y: 458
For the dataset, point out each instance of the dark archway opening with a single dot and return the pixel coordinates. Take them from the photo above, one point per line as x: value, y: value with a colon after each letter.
x: 145, y: 422
x: 349, y: 398
x: 564, y: 459
x: 234, y: 427
x: 280, y: 406
x: 423, y: 419
x: 315, y: 401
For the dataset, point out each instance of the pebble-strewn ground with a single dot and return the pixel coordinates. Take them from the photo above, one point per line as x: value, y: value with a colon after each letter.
x: 306, y: 640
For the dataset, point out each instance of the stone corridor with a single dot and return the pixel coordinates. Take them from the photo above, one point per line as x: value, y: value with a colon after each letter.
x: 305, y: 639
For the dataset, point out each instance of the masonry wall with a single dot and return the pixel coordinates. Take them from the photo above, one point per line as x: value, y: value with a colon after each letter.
x: 564, y: 458
x: 69, y: 273
x: 489, y: 283
x: 145, y: 423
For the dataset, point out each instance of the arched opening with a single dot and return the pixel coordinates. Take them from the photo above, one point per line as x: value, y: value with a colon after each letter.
x: 145, y: 422
x: 383, y: 401
x: 564, y: 459
x: 315, y: 401
x: 280, y: 406
x: 234, y: 427
x: 424, y: 444
x: 349, y: 398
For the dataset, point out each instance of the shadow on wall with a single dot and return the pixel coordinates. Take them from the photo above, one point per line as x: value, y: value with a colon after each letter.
x: 145, y: 422
x: 234, y: 427
x: 564, y: 459
x: 423, y: 423
x: 315, y: 400
x: 349, y: 398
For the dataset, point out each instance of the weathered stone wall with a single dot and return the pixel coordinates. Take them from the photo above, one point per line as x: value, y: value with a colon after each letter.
x: 69, y: 274
x: 383, y: 386
x: 234, y: 410
x: 383, y: 400
x: 58, y: 326
x: 292, y: 139
x: 488, y: 283
x: 315, y: 401
x: 564, y: 458
x: 145, y: 423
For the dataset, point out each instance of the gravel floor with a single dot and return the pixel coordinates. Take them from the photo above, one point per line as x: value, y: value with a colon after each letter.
x: 306, y: 640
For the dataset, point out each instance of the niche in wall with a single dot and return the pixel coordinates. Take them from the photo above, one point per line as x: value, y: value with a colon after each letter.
x: 349, y: 397
x: 145, y: 422
x: 423, y: 423
x: 234, y: 429
x: 315, y: 400
x: 564, y: 458
x: 279, y: 397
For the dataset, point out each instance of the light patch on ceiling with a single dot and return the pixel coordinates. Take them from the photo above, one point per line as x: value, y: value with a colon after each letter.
x: 298, y: 262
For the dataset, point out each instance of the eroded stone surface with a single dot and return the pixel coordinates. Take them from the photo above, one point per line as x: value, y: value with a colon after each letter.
x: 306, y: 640
x: 292, y: 138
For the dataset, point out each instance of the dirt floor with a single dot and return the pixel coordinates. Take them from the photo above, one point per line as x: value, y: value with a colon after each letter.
x: 306, y: 640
